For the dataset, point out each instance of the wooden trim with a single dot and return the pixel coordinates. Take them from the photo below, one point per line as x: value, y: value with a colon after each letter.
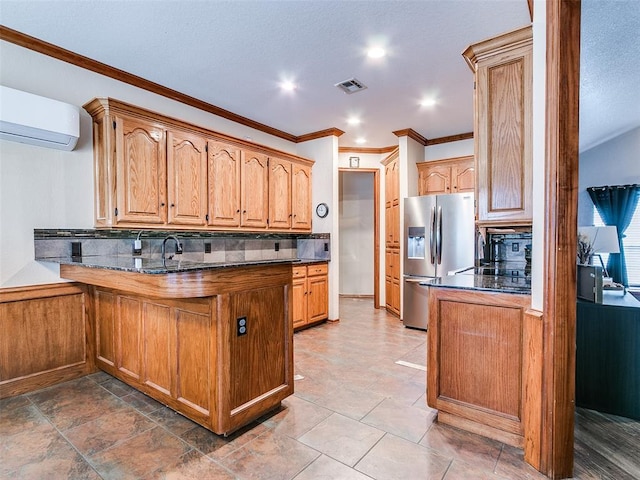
x: 392, y: 156
x: 32, y: 292
x: 508, y: 438
x: 532, y: 386
x: 87, y: 63
x: 494, y: 45
x: 409, y: 132
x: 560, y: 236
x: 335, y: 132
x: 530, y: 5
x: 447, y: 160
x: 112, y: 106
x: 450, y: 138
x: 186, y: 284
x: 364, y: 150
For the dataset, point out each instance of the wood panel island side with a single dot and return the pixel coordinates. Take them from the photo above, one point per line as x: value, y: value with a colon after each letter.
x: 216, y: 344
x: 482, y: 374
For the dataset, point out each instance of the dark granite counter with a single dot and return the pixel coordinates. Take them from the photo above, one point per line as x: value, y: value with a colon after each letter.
x: 489, y: 283
x: 155, y: 265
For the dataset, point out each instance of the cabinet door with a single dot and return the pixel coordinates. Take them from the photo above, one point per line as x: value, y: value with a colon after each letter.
x: 463, y: 176
x: 141, y: 178
x: 299, y: 307
x: 224, y: 184
x: 395, y: 226
x: 392, y: 182
x: 255, y: 189
x: 301, y: 197
x: 503, y: 103
x: 435, y: 179
x: 187, y: 178
x: 279, y: 194
x: 318, y: 297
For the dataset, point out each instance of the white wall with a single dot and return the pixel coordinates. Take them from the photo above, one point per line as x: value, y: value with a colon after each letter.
x: 356, y: 233
x: 461, y: 148
x: 615, y: 162
x: 325, y: 189
x: 44, y: 188
x: 538, y: 133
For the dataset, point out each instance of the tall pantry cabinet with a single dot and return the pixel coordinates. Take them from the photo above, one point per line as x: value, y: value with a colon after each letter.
x: 503, y: 117
x: 392, y: 232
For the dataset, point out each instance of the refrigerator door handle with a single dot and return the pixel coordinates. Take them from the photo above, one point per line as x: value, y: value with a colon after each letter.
x: 432, y: 231
x: 439, y: 236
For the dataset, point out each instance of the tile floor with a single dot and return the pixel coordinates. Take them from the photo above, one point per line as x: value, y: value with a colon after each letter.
x: 355, y: 415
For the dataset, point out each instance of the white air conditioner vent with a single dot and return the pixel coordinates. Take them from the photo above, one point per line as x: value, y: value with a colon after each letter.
x: 35, y: 120
x: 351, y: 86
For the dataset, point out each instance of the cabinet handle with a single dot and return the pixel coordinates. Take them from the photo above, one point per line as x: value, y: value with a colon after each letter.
x: 173, y: 205
x: 244, y: 211
x: 238, y: 211
x: 162, y: 204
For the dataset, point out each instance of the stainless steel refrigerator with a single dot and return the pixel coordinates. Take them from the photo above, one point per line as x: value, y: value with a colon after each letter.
x: 439, y: 239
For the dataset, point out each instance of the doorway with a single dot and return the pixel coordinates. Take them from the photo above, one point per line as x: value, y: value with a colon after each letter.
x: 359, y: 233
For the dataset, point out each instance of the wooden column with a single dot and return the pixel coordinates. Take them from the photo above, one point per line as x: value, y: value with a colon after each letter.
x: 561, y: 153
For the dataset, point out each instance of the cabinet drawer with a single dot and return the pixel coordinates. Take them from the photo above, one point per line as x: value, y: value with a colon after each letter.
x: 299, y: 272
x: 321, y: 269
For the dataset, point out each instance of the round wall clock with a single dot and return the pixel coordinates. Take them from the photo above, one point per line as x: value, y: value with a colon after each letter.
x: 322, y: 210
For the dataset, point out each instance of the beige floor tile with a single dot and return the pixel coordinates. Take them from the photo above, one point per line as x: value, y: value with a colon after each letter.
x: 139, y: 456
x: 296, y: 417
x: 270, y: 456
x: 326, y: 468
x: 342, y: 438
x: 400, y: 419
x: 394, y: 458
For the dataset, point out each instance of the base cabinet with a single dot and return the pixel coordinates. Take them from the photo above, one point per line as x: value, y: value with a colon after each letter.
x: 392, y: 281
x: 310, y: 294
x: 478, y: 363
x: 222, y: 357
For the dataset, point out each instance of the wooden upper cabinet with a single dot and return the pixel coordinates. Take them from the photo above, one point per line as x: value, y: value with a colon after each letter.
x: 254, y: 182
x: 187, y: 178
x: 279, y: 193
x: 463, y: 175
x: 503, y: 141
x: 141, y: 166
x: 434, y: 179
x: 224, y: 184
x: 152, y: 171
x: 301, y: 197
x: 446, y: 176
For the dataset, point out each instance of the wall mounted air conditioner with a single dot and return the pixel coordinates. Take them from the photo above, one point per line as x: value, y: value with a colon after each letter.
x: 36, y: 120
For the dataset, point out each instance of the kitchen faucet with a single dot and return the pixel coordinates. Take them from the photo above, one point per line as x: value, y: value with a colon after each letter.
x: 178, y: 247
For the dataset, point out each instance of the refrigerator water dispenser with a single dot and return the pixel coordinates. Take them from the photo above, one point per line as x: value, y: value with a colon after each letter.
x: 415, y: 242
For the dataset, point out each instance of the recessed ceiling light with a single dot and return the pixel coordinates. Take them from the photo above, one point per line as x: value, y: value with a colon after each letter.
x: 376, y: 52
x: 288, y: 86
x: 361, y: 140
x: 353, y: 121
x: 428, y: 102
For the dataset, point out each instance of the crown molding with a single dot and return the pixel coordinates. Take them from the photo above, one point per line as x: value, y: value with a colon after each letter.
x: 365, y: 150
x: 450, y: 138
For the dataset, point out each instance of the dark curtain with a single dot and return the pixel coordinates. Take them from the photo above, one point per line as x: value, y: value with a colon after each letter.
x: 616, y: 206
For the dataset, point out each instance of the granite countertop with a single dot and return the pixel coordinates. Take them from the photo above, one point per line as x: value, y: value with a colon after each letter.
x: 489, y: 283
x: 154, y: 265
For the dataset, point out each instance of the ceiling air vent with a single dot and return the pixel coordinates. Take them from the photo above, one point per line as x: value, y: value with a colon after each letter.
x: 351, y: 86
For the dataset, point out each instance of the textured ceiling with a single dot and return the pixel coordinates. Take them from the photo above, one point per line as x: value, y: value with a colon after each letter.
x: 234, y: 54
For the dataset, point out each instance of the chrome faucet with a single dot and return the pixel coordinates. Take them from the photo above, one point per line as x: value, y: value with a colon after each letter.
x: 178, y: 247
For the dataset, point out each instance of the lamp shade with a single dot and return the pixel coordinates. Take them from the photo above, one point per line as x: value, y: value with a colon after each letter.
x: 602, y: 239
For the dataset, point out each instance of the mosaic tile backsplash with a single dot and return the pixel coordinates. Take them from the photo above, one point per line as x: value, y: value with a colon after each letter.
x: 197, y: 246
